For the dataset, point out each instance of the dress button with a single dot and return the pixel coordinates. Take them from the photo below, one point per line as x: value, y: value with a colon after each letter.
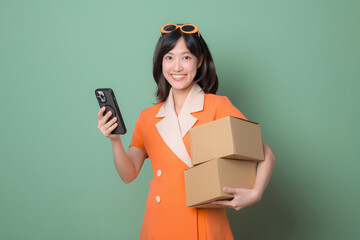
x: 157, y: 199
x: 158, y: 173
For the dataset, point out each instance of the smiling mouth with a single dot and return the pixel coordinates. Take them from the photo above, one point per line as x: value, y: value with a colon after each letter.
x: 178, y: 77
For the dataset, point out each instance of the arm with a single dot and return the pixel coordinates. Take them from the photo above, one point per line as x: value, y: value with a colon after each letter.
x: 128, y: 165
x: 246, y: 197
x: 264, y: 171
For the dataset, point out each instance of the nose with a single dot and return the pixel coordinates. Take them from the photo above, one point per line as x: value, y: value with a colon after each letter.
x: 178, y: 65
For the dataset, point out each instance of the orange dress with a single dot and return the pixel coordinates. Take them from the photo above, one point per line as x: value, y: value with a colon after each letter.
x: 166, y: 216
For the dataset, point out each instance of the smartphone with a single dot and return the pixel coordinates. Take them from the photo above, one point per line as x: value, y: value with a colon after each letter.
x: 106, y: 97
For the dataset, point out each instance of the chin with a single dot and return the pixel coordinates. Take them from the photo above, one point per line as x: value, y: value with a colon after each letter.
x: 181, y: 86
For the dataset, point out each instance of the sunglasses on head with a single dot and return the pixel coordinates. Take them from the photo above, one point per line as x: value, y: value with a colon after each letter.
x: 186, y: 28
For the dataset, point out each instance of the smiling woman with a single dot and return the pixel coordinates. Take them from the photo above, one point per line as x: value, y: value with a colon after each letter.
x: 180, y: 68
x: 194, y: 54
x: 179, y: 64
x: 186, y: 81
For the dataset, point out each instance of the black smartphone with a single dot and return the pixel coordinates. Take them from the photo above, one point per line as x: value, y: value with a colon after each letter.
x: 106, y: 97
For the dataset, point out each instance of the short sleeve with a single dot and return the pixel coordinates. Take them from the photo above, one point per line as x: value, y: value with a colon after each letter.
x: 226, y: 108
x: 137, y: 137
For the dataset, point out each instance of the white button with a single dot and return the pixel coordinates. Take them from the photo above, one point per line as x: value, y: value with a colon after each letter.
x: 158, y: 173
x: 157, y: 199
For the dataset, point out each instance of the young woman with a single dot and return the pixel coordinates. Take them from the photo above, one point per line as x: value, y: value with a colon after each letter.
x: 185, y: 75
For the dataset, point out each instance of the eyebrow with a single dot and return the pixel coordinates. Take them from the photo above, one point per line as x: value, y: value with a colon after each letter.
x: 186, y: 52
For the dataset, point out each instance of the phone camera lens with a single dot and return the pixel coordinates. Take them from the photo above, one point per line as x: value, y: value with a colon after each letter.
x: 100, y: 95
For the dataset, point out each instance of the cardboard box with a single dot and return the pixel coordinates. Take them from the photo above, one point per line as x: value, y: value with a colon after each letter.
x: 204, y: 182
x: 228, y: 137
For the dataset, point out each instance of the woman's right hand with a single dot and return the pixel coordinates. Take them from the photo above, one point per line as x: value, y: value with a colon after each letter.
x: 106, y: 127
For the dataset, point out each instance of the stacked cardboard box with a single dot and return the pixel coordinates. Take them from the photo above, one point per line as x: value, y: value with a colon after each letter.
x: 224, y: 152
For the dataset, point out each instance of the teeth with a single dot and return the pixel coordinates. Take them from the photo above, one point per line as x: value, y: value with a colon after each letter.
x: 178, y: 76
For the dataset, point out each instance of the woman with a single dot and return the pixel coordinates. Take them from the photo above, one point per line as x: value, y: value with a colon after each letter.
x: 187, y: 82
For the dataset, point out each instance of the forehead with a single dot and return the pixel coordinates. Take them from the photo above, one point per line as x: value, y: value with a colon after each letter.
x: 180, y: 47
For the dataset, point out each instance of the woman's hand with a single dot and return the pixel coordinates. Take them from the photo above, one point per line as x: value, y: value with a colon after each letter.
x: 245, y: 197
x: 107, y: 127
x: 242, y: 198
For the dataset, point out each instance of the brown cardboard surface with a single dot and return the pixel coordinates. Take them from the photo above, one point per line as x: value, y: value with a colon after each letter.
x: 249, y: 147
x: 228, y: 137
x: 204, y: 182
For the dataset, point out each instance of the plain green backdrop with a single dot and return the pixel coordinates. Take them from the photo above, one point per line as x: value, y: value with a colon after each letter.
x: 293, y: 66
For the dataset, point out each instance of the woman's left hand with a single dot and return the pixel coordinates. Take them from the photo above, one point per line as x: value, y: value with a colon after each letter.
x: 242, y: 198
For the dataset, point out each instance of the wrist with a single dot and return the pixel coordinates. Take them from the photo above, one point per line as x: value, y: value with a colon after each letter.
x: 115, y: 139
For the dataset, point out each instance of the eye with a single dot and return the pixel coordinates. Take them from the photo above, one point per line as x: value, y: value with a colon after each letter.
x: 186, y: 57
x: 168, y: 57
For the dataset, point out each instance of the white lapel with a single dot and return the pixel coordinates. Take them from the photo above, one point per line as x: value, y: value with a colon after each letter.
x: 173, y: 128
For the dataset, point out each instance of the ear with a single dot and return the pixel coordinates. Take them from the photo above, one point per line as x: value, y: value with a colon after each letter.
x: 200, y: 61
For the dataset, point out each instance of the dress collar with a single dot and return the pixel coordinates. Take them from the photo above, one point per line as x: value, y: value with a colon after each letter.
x: 173, y: 128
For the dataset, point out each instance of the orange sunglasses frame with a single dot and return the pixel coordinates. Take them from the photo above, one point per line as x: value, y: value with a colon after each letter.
x: 196, y: 29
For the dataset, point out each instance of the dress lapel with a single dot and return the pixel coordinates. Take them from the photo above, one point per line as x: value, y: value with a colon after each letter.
x: 173, y: 128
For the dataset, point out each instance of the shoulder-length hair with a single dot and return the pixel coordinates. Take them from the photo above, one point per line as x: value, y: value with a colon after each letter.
x: 206, y: 75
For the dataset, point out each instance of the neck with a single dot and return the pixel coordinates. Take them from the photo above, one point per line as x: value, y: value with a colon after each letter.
x: 180, y: 96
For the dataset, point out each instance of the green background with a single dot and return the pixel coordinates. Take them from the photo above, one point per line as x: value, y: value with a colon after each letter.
x: 293, y: 66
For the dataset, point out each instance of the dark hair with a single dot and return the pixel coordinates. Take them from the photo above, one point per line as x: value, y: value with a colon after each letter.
x: 206, y: 75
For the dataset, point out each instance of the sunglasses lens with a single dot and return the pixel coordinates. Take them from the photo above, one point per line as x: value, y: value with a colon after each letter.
x: 170, y: 28
x: 188, y: 28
